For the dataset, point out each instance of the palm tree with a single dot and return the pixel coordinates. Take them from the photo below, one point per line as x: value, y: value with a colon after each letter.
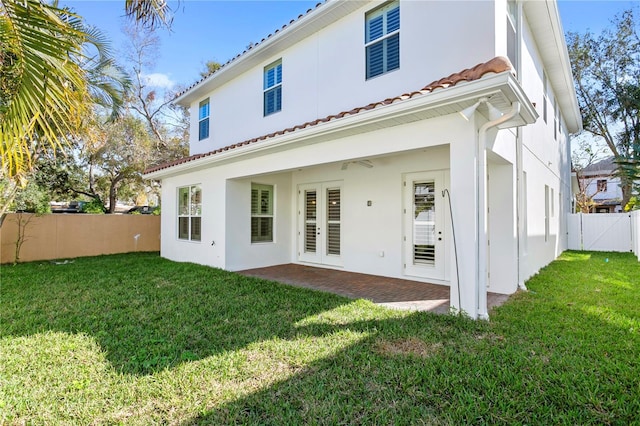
x: 49, y: 81
x: 49, y: 90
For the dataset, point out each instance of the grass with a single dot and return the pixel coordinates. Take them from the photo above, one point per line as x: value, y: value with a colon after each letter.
x: 136, y: 339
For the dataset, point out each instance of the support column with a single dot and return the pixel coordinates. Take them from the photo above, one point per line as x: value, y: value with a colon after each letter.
x: 463, y: 295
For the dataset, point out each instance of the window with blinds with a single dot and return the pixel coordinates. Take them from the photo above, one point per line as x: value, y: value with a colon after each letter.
x: 261, y: 213
x: 382, y: 39
x: 333, y: 221
x: 310, y: 221
x: 424, y: 221
x: 203, y: 119
x: 190, y: 213
x: 545, y: 95
x: 272, y: 87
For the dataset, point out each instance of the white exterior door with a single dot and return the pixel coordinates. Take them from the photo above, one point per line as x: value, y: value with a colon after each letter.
x: 320, y: 223
x: 424, y: 230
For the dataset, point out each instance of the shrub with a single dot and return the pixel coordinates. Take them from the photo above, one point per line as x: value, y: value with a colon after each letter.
x: 93, y: 207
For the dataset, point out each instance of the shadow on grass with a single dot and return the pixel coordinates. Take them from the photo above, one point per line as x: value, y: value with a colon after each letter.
x: 425, y: 369
x: 148, y: 313
x: 393, y: 376
x: 541, y: 360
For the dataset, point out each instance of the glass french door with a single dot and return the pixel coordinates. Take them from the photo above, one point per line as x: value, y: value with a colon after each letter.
x: 320, y: 223
x: 424, y: 236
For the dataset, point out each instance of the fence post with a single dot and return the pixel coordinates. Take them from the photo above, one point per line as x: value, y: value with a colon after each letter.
x: 581, y: 233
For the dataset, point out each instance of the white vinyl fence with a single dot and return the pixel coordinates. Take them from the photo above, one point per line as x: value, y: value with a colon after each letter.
x: 635, y: 231
x: 605, y: 232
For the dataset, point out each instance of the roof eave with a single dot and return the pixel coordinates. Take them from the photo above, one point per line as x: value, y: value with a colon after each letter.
x: 555, y: 52
x: 441, y: 101
x: 281, y: 39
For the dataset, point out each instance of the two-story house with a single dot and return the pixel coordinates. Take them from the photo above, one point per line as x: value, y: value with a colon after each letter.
x: 597, y: 188
x: 419, y: 140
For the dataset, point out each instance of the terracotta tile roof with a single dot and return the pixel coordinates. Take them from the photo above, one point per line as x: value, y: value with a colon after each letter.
x: 250, y: 47
x: 496, y: 65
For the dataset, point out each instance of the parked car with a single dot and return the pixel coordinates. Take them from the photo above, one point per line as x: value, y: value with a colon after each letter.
x: 142, y: 210
x: 71, y: 207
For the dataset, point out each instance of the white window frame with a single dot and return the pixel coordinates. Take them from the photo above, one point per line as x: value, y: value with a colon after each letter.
x: 525, y: 215
x: 204, y: 118
x: 380, y: 11
x: 193, y: 210
x: 545, y: 95
x: 257, y: 214
x: 513, y: 17
x: 547, y: 218
x: 601, y: 185
x: 275, y: 87
x: 556, y: 119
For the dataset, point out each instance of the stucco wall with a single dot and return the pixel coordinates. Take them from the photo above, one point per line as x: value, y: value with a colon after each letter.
x: 546, y: 161
x: 64, y: 236
x: 394, y: 151
x: 325, y: 73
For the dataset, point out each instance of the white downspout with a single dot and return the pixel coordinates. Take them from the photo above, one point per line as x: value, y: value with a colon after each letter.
x: 481, y: 202
x: 519, y: 208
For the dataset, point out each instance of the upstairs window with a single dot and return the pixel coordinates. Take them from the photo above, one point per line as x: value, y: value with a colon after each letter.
x: 273, y: 88
x: 545, y: 96
x: 261, y: 213
x: 556, y: 119
x: 190, y: 213
x: 203, y: 120
x: 382, y: 39
x: 602, y: 185
x: 547, y: 204
x: 512, y: 32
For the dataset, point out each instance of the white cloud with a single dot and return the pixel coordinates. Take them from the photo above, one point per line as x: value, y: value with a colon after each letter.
x: 159, y: 80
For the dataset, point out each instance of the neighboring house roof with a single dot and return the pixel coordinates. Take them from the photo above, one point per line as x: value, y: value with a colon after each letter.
x: 496, y: 65
x: 602, y: 167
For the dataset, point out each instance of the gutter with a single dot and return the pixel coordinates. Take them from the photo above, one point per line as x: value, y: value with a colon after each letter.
x: 502, y: 83
x: 481, y: 202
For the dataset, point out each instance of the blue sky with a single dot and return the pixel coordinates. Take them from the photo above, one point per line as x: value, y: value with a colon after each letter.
x: 219, y: 30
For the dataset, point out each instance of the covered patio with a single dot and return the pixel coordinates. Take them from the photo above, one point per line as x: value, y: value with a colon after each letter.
x: 390, y: 292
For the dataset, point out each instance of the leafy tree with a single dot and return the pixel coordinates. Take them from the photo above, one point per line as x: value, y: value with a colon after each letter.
x: 117, y: 154
x: 210, y: 68
x: 48, y: 81
x: 32, y: 199
x: 108, y: 159
x: 45, y: 98
x: 587, y: 155
x: 51, y: 80
x: 606, y: 70
x: 67, y: 174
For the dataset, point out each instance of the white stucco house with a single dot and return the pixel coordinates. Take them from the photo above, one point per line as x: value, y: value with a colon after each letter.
x: 424, y: 140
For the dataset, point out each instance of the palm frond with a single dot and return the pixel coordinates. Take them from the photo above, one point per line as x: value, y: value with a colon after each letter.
x: 50, y: 99
x: 150, y: 13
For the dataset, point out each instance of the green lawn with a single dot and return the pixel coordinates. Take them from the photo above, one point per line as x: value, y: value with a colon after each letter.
x: 136, y: 339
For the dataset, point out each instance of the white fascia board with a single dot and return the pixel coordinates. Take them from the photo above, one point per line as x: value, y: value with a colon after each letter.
x: 528, y: 112
x: 546, y: 19
x: 503, y: 83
